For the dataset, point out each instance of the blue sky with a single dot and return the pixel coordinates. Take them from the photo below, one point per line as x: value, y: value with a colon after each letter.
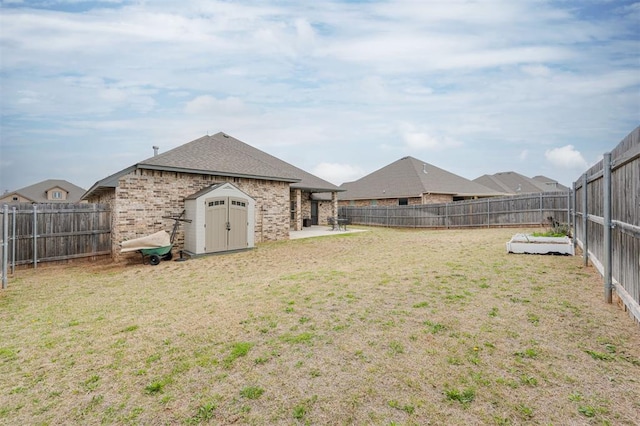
x: 338, y: 88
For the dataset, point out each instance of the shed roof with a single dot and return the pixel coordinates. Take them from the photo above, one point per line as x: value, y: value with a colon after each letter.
x: 37, y: 192
x: 410, y: 177
x: 223, y: 155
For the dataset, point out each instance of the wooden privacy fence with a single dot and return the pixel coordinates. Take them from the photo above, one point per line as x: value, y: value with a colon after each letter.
x: 525, y: 209
x: 33, y: 233
x: 607, y: 200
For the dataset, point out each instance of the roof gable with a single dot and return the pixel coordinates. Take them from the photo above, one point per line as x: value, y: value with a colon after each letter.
x: 515, y: 183
x: 38, y: 191
x: 410, y: 177
x: 223, y: 155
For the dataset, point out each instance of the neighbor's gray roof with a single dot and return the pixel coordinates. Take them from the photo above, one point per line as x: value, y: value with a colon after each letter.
x: 410, y: 177
x: 514, y: 183
x: 223, y: 155
x: 551, y: 184
x: 37, y: 192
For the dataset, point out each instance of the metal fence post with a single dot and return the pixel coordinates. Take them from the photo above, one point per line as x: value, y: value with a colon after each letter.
x: 35, y: 236
x: 541, y: 212
x: 13, y: 240
x: 574, y: 215
x: 488, y: 213
x: 585, y: 220
x: 607, y: 227
x: 5, y: 244
x: 446, y: 215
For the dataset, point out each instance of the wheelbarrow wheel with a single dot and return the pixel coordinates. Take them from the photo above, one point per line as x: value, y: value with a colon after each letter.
x: 154, y: 259
x: 167, y: 256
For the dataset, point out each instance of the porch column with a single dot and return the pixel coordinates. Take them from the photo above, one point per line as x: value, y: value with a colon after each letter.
x: 297, y: 226
x: 334, y: 204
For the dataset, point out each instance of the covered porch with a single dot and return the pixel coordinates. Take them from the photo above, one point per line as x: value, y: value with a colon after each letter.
x: 310, y: 207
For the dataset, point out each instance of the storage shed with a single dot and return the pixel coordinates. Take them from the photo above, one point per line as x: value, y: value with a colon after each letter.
x: 222, y: 219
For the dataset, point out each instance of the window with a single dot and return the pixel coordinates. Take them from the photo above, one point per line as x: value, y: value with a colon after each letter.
x: 403, y: 201
x: 293, y: 210
x: 56, y: 195
x: 15, y: 198
x: 374, y: 202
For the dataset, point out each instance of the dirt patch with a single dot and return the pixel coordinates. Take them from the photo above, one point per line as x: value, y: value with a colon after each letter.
x: 387, y: 326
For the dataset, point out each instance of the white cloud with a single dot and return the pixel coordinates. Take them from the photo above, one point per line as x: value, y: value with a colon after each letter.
x: 421, y: 140
x: 209, y: 104
x: 320, y: 84
x: 566, y: 157
x: 337, y: 173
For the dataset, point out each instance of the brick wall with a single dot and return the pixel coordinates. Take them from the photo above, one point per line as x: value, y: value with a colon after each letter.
x: 144, y: 196
x: 413, y: 201
x: 436, y: 198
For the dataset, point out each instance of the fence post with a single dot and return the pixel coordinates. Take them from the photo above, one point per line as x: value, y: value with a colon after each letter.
x: 574, y: 215
x: 446, y: 215
x: 607, y: 227
x: 541, y: 213
x: 94, y: 237
x: 488, y: 213
x: 569, y: 209
x: 5, y: 244
x: 585, y: 220
x: 13, y: 240
x: 35, y: 236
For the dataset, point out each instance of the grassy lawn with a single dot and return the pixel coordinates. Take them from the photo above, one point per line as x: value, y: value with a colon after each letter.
x: 385, y: 327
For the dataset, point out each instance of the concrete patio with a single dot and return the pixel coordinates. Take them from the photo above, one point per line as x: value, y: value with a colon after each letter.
x: 320, y: 231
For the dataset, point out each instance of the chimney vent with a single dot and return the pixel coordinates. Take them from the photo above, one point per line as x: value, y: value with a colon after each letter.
x: 155, y: 150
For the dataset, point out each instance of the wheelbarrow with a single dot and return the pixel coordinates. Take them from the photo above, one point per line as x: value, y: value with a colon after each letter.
x: 155, y: 254
x: 156, y: 246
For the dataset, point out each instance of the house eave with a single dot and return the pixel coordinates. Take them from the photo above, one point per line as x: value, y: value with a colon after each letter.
x: 216, y: 173
x: 317, y: 190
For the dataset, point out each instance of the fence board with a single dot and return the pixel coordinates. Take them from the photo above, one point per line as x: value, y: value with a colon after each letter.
x: 526, y: 209
x: 62, y: 231
x: 625, y: 219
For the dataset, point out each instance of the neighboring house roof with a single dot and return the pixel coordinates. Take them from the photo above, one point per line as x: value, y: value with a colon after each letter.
x: 37, y: 193
x: 515, y: 183
x: 410, y: 177
x: 551, y: 184
x: 222, y: 155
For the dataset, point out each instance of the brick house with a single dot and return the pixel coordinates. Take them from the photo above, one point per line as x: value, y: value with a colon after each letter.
x: 409, y: 181
x: 47, y: 191
x: 140, y: 195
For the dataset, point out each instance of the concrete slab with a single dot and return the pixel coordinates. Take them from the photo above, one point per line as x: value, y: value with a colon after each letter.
x: 320, y: 231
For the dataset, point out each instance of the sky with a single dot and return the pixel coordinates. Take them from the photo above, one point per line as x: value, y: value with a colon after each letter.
x: 338, y: 88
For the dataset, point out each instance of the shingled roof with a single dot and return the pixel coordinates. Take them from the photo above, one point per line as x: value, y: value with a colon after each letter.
x: 410, y: 177
x: 223, y: 155
x: 515, y: 183
x: 37, y: 192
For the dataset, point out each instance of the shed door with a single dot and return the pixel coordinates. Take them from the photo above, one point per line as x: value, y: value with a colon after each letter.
x: 237, y: 223
x: 225, y: 224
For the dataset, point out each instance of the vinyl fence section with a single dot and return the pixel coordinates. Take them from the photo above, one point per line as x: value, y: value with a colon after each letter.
x: 607, y: 200
x: 525, y: 209
x: 34, y: 233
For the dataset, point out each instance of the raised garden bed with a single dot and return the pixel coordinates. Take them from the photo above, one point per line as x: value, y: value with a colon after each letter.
x: 528, y: 244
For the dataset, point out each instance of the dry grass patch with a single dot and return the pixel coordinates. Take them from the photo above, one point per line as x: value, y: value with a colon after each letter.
x: 383, y: 327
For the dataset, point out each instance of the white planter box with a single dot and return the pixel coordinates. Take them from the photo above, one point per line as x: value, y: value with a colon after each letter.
x: 527, y: 244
